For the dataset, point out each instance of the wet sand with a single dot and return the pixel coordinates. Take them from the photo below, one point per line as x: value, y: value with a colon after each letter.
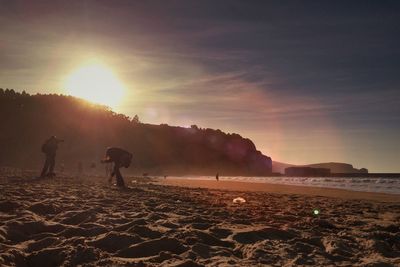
x: 278, y: 188
x: 75, y: 221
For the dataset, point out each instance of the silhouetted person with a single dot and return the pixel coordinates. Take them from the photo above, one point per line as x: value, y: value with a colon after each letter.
x: 62, y: 169
x: 120, y: 158
x: 50, y: 149
x: 92, y: 168
x: 93, y: 165
x: 217, y: 176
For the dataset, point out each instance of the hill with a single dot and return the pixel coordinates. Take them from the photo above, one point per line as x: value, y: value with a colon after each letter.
x: 279, y: 167
x: 28, y: 120
x: 335, y: 167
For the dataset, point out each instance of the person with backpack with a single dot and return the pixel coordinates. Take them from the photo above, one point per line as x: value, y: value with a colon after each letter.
x: 120, y: 158
x: 49, y: 148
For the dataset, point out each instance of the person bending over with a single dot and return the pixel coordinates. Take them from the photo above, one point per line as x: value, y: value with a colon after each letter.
x: 120, y: 158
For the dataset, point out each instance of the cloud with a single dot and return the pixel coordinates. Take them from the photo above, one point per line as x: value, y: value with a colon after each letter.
x: 268, y: 70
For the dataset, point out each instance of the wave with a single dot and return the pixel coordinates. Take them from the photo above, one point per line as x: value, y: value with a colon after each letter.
x: 378, y: 185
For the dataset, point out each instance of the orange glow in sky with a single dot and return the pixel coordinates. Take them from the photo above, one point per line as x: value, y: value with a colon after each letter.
x: 97, y: 83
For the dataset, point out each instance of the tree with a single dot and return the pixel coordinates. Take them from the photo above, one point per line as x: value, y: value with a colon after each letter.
x: 136, y: 119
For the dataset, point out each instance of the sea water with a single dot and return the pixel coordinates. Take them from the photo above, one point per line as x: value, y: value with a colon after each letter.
x: 364, y: 184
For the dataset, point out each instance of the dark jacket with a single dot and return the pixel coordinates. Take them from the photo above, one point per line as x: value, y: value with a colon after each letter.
x: 50, y: 146
x: 118, y: 156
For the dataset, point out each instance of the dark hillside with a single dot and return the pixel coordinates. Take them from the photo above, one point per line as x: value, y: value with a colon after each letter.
x: 27, y: 120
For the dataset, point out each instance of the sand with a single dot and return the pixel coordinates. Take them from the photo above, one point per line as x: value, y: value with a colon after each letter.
x: 84, y: 221
x: 280, y: 188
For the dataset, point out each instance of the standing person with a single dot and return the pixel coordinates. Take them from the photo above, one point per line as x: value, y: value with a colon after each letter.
x: 50, y: 149
x: 217, y: 176
x: 62, y: 168
x: 120, y: 158
x: 93, y: 168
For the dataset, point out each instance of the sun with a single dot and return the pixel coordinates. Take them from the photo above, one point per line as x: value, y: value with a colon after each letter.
x: 96, y: 83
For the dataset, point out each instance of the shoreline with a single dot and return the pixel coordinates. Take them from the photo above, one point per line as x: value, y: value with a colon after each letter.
x: 279, y: 189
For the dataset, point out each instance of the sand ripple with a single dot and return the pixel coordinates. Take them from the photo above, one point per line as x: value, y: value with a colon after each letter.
x: 70, y: 222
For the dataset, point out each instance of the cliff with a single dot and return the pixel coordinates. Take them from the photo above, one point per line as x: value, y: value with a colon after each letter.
x: 334, y: 167
x: 337, y: 167
x: 279, y: 167
x: 27, y: 120
x: 307, y: 171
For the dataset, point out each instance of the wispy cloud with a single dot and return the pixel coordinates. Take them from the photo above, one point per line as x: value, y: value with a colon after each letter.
x: 268, y: 70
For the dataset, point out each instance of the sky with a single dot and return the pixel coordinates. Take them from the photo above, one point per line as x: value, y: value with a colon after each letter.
x: 306, y: 81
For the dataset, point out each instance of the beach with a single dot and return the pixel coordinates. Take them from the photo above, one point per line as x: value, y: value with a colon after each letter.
x: 69, y: 221
x: 281, y: 188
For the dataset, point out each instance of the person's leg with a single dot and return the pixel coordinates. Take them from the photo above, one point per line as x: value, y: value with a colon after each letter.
x: 120, y: 180
x: 45, y: 167
x: 52, y: 164
x: 114, y: 170
x: 112, y: 173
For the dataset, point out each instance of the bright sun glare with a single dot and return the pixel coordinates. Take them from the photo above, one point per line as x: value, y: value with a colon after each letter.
x: 96, y: 83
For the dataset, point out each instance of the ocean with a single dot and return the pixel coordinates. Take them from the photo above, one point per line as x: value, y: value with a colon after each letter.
x: 363, y: 184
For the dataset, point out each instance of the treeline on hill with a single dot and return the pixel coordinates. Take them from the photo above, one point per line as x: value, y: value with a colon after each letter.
x: 88, y: 129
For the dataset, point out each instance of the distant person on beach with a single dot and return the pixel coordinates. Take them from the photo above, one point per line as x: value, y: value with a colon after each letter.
x: 120, y: 158
x: 93, y: 168
x: 50, y: 149
x: 62, y: 168
x: 217, y: 176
